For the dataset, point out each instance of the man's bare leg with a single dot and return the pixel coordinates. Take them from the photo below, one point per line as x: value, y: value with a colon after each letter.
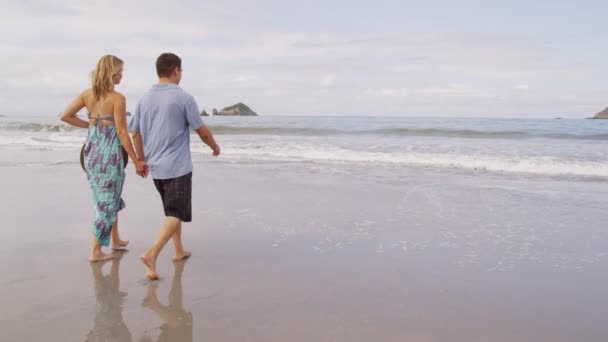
x: 180, y: 252
x: 170, y: 225
x: 117, y: 243
x: 97, y: 254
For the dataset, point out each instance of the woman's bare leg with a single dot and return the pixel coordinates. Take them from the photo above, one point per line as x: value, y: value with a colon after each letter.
x: 96, y: 253
x: 117, y: 243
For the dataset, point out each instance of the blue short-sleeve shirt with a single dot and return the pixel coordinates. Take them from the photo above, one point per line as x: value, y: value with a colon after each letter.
x: 164, y: 117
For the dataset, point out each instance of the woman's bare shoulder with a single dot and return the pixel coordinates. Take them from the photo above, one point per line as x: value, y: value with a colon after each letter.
x: 87, y: 93
x: 116, y: 96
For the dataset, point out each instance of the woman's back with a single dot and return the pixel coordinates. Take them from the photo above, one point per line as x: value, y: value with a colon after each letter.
x: 102, y: 109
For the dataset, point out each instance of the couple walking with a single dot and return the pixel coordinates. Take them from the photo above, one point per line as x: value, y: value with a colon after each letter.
x: 160, y: 129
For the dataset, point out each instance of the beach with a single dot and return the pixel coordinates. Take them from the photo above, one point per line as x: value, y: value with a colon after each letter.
x: 319, y: 246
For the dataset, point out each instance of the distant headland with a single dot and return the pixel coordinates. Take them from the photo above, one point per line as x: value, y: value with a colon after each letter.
x: 601, y: 115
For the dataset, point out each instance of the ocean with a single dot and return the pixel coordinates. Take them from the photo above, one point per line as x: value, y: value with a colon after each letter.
x: 535, y: 147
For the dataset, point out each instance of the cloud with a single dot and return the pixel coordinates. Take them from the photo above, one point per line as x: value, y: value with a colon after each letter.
x: 243, y: 78
x: 388, y: 92
x: 453, y: 90
x: 328, y: 80
x: 89, y: 21
x: 249, y: 55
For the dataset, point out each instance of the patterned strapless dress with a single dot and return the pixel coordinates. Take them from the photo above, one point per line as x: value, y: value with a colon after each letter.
x: 104, y: 164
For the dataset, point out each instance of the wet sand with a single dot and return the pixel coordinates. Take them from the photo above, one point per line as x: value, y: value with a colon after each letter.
x: 287, y: 252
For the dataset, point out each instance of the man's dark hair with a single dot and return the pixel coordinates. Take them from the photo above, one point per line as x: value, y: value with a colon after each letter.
x: 166, y: 63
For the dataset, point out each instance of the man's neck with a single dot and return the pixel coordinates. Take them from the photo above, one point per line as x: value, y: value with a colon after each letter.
x: 166, y: 80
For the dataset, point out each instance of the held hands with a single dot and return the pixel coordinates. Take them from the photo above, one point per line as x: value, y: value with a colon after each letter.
x: 142, y: 168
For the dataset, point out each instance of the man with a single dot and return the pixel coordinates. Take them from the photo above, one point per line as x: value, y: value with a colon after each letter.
x: 161, y: 132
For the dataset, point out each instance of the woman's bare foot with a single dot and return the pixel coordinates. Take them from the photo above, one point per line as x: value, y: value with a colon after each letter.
x: 99, y: 256
x: 181, y: 256
x: 150, y: 262
x: 119, y: 244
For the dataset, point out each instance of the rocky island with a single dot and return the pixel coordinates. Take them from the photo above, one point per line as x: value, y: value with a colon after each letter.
x: 239, y: 109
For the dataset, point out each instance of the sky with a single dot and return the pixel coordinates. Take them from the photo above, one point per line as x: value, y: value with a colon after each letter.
x: 463, y: 58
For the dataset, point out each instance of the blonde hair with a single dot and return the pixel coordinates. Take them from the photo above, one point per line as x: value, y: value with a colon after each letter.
x: 102, y: 77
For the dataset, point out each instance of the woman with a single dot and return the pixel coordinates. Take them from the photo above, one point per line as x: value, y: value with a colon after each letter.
x: 103, y: 159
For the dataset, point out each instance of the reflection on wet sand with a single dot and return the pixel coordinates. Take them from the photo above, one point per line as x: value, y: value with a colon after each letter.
x: 108, y: 324
x: 177, y: 326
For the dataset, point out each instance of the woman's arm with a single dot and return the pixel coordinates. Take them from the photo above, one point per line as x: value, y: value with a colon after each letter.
x: 120, y: 121
x: 139, y: 145
x: 69, y: 114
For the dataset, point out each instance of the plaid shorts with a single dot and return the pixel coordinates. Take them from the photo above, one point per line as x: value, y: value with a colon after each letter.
x: 176, y: 194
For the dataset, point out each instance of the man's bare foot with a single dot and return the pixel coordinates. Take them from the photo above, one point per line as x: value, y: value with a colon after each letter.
x: 181, y: 256
x: 100, y: 256
x: 150, y: 263
x: 120, y: 244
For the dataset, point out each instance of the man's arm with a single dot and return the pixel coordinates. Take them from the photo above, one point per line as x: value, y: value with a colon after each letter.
x: 195, y: 121
x: 207, y: 137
